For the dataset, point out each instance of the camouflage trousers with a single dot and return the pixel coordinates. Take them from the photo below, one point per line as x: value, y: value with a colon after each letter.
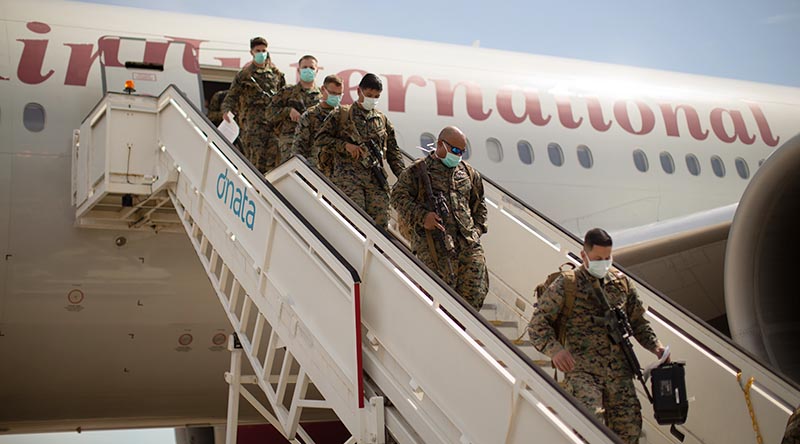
x: 260, y: 147
x: 366, y: 193
x: 611, y: 399
x: 284, y: 148
x: 792, y: 433
x: 470, y: 276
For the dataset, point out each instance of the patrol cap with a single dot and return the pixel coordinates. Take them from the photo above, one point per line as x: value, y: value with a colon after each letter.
x: 255, y: 41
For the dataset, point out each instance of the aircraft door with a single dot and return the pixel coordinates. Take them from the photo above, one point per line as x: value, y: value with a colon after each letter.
x: 152, y: 65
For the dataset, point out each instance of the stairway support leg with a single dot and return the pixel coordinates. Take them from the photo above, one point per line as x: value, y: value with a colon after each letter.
x: 373, y: 429
x: 233, y: 389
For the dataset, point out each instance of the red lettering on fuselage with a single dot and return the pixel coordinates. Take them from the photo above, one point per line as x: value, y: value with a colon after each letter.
x: 763, y: 125
x: 191, y: 53
x: 739, y: 127
x: 533, y: 107
x: 596, y: 115
x: 670, y: 115
x: 565, y: 115
x: 445, y: 95
x: 624, y: 119
x: 81, y: 59
x: 728, y: 125
x: 229, y: 62
x: 397, y: 90
x: 29, y: 69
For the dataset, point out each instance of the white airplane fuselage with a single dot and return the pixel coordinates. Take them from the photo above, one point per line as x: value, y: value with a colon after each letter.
x: 88, y: 324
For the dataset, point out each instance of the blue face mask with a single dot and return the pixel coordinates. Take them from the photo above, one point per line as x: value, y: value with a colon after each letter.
x: 451, y: 160
x: 260, y: 58
x: 307, y: 74
x: 333, y: 100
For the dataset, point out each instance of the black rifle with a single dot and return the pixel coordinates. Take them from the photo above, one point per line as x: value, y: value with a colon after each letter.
x: 374, y: 161
x: 438, y: 205
x: 619, y: 330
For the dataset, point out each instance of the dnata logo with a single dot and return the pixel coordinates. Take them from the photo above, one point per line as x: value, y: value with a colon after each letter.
x: 240, y: 205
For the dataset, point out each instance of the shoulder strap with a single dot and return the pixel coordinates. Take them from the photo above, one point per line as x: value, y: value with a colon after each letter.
x: 419, y: 169
x: 344, y: 115
x: 570, y: 293
x: 472, y: 173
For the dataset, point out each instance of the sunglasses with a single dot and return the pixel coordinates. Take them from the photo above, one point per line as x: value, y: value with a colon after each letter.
x: 454, y: 149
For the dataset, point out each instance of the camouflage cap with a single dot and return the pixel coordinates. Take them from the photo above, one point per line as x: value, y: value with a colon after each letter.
x: 255, y: 41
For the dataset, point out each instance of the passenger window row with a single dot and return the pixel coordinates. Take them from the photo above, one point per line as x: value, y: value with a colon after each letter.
x: 555, y: 154
x: 692, y: 164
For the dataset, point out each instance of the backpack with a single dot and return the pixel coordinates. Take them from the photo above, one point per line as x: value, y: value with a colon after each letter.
x: 570, y: 292
x: 325, y: 159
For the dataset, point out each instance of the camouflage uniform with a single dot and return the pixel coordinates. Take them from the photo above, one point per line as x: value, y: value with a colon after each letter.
x: 305, y: 136
x: 248, y: 98
x: 601, y: 379
x: 792, y: 434
x: 462, y: 187
x: 291, y: 97
x: 352, y: 176
x: 215, y: 107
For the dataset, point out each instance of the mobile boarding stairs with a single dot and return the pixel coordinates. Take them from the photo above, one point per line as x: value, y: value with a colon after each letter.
x: 343, y: 317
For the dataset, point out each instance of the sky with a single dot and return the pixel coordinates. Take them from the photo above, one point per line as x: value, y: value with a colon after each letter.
x: 739, y: 39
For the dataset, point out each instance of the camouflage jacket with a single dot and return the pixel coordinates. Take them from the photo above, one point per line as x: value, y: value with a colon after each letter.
x: 215, y: 107
x: 250, y: 92
x: 358, y: 128
x: 462, y: 187
x: 290, y: 97
x: 792, y: 433
x: 586, y: 339
x: 305, y: 134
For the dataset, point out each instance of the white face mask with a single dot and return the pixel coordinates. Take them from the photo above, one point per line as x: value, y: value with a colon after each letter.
x: 598, y: 269
x: 369, y: 103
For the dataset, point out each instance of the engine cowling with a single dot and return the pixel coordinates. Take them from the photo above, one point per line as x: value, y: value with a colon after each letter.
x: 762, y: 262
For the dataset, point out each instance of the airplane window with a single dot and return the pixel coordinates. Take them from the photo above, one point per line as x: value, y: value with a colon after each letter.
x: 525, y: 152
x: 693, y: 164
x: 494, y: 149
x: 718, y: 166
x: 556, y: 154
x: 468, y: 152
x: 640, y: 160
x: 585, y: 156
x: 666, y: 162
x: 33, y: 117
x: 742, y: 168
x: 426, y: 140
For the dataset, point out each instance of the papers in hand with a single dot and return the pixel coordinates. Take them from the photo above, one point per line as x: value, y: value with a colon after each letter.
x: 229, y: 130
x: 655, y: 364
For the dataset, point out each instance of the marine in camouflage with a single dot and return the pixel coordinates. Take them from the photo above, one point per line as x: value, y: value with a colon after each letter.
x: 215, y: 107
x: 792, y: 434
x: 601, y: 378
x: 305, y: 136
x: 277, y: 117
x: 248, y: 99
x: 354, y: 177
x: 462, y: 188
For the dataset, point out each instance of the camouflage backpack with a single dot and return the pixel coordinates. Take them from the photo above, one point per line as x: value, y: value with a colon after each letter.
x: 570, y: 292
x: 325, y: 161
